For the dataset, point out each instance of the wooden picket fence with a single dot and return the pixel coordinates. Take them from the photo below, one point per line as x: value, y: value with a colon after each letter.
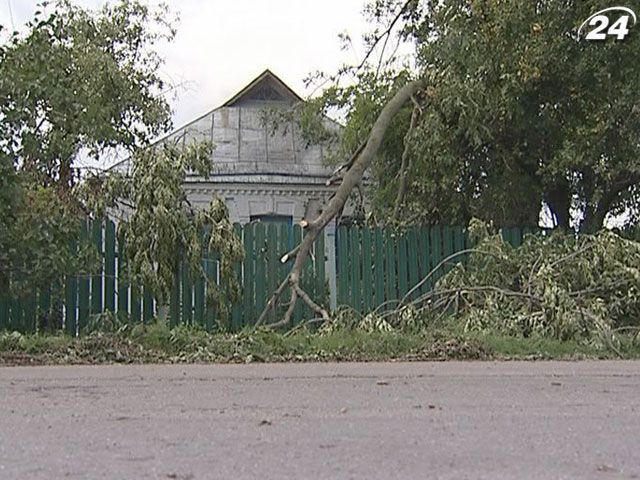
x: 374, y: 267
x: 107, y: 289
x: 379, y: 267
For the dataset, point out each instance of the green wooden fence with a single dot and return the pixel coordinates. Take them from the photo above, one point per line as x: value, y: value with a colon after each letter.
x: 377, y: 267
x: 373, y: 267
x: 107, y: 289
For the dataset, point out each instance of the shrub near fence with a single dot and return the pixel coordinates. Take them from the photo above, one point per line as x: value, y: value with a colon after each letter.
x: 107, y: 289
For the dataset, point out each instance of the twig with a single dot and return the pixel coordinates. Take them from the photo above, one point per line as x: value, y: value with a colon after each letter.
x: 272, y: 301
x: 384, y: 34
x: 313, y: 305
x: 303, y: 325
x: 440, y: 265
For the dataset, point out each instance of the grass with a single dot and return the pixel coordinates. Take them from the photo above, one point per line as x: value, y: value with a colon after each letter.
x: 157, y: 343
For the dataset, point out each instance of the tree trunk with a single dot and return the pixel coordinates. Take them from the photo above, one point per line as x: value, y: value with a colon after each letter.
x: 559, y: 201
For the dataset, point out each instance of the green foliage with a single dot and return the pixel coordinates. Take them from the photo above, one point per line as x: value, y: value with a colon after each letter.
x: 158, y: 343
x: 38, y: 252
x: 518, y: 112
x: 522, y: 112
x: 74, y: 84
x: 160, y: 228
x: 81, y: 81
x: 558, y: 286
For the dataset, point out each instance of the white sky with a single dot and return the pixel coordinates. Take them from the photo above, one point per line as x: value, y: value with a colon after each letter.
x: 221, y: 45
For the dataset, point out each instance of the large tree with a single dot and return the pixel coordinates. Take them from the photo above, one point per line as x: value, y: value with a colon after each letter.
x: 79, y: 82
x: 518, y: 112
x: 73, y: 84
x: 76, y: 85
x: 484, y: 108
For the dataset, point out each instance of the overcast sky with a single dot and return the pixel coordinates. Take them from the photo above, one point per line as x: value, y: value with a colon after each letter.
x: 221, y: 45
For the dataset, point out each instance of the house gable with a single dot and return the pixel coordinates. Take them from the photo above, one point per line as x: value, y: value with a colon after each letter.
x: 266, y: 88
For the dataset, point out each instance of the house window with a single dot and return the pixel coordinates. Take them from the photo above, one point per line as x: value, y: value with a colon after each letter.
x: 275, y: 219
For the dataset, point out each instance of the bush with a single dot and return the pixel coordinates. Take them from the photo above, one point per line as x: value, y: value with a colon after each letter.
x: 558, y: 285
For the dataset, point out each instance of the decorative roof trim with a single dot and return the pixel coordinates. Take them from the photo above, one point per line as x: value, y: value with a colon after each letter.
x: 307, y: 192
x: 263, y: 76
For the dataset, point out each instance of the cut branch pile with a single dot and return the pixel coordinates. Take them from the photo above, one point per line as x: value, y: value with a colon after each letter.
x: 558, y: 286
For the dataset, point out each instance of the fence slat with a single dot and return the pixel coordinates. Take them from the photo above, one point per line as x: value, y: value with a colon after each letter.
x: 16, y: 314
x: 403, y: 280
x: 211, y: 268
x: 436, y: 251
x: 285, y: 245
x: 459, y: 242
x: 123, y: 285
x: 308, y: 285
x: 84, y: 285
x: 70, y: 305
x: 198, y: 296
x: 355, y: 273
x: 424, y: 244
x: 5, y: 311
x: 236, y: 309
x: 110, y: 266
x: 272, y: 267
x: 448, y: 247
x: 343, y: 265
x: 378, y: 266
x: 320, y: 270
x: 248, y: 291
x: 174, y: 300
x: 367, y: 270
x: 29, y: 323
x: 259, y: 253
x: 187, y: 295
x: 412, y: 254
x: 96, y: 278
x: 390, y: 266
x: 298, y: 312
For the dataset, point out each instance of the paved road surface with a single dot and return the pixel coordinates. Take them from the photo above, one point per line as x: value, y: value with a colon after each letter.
x: 349, y: 421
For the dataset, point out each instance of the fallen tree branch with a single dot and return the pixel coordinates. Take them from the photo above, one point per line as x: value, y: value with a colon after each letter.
x: 405, y: 165
x: 351, y: 178
x: 440, y: 265
x: 313, y: 305
x: 272, y: 302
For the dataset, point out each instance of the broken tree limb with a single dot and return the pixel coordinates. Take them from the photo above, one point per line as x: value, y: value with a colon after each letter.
x: 272, y: 301
x: 338, y: 173
x: 406, y: 160
x: 351, y: 178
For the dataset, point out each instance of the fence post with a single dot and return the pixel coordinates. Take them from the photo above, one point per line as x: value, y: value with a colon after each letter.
x: 331, y: 265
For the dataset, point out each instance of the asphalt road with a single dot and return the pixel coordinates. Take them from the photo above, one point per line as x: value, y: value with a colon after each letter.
x: 322, y: 421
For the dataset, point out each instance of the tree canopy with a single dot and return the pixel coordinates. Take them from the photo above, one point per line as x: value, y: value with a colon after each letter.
x: 74, y: 85
x: 517, y: 112
x: 79, y: 82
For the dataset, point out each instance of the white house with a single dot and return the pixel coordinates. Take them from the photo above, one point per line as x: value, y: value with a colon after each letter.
x: 262, y: 173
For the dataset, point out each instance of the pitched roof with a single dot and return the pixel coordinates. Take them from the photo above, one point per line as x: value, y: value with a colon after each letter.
x: 266, y: 86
